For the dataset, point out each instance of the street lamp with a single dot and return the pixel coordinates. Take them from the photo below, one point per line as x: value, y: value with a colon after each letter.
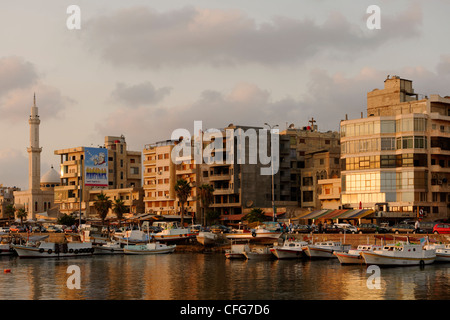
x: 273, y: 188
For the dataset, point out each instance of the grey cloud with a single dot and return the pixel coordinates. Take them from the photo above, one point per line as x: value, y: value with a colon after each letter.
x: 139, y: 94
x: 15, y: 73
x: 142, y: 37
x: 19, y: 81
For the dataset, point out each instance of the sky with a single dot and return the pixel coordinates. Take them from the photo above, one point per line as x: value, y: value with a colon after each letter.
x: 145, y: 68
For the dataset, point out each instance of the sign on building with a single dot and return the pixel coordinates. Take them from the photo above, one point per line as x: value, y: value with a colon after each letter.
x: 96, y: 167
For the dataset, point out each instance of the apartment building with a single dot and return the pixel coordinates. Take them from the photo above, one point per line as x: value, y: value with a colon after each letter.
x: 313, y: 155
x: 160, y: 176
x: 6, y: 198
x: 121, y: 169
x: 397, y: 159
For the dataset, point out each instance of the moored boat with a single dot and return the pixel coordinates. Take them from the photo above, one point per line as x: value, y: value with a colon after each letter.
x: 149, y: 248
x: 443, y: 254
x: 291, y: 249
x: 111, y: 247
x: 400, y: 254
x: 237, y: 250
x: 325, y: 249
x: 259, y: 253
x: 353, y: 256
x: 54, y: 250
x: 268, y: 230
x: 207, y: 238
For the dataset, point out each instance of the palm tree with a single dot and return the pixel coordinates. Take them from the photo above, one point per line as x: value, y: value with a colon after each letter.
x: 206, y: 198
x: 102, y: 205
x: 183, y: 191
x: 119, y: 209
x: 9, y: 212
x: 256, y: 214
x: 21, y: 214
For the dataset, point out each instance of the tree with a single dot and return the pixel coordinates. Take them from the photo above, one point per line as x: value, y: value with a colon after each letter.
x: 183, y: 191
x: 21, y: 214
x: 67, y: 220
x: 102, y: 206
x: 206, y: 198
x: 119, y: 209
x: 9, y: 212
x: 212, y: 216
x: 256, y: 215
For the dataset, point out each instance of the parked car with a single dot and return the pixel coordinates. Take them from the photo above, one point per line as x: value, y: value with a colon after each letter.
x: 218, y: 228
x: 333, y: 229
x: 17, y: 229
x: 38, y: 229
x: 427, y: 227
x: 54, y: 229
x: 347, y: 227
x: 301, y: 228
x: 442, y: 228
x: 371, y: 228
x: 4, y: 229
x: 404, y: 228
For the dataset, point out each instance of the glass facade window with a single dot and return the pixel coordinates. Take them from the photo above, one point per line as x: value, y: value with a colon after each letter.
x: 384, y: 126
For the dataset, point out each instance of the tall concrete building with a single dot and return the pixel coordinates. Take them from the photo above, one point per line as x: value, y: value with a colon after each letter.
x: 397, y: 159
x: 124, y: 174
x: 160, y: 176
x: 314, y: 155
x: 35, y: 200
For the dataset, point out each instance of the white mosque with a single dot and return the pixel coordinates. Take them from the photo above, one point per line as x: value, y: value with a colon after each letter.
x: 38, y: 200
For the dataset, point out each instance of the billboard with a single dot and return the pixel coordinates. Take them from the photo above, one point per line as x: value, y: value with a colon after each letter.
x: 96, y: 167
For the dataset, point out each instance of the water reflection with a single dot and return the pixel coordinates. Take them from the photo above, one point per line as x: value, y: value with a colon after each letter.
x: 213, y: 277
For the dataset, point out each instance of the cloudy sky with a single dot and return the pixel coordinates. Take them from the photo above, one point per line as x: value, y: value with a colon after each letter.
x: 146, y: 68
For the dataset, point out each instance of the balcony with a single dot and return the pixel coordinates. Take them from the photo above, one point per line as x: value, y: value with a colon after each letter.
x: 149, y: 162
x: 220, y: 177
x: 69, y: 175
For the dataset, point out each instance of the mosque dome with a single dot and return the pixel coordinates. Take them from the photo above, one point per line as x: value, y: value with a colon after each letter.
x: 51, y: 177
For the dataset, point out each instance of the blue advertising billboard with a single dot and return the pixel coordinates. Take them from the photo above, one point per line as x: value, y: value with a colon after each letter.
x: 96, y: 167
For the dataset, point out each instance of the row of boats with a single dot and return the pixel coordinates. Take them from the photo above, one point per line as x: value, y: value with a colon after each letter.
x: 401, y: 253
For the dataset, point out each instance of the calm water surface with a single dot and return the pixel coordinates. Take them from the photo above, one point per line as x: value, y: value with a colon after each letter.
x: 194, y: 276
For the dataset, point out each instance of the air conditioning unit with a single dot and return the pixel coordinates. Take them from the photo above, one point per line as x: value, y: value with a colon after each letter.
x: 159, y: 172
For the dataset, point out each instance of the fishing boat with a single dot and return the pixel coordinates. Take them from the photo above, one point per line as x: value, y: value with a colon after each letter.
x: 54, y: 250
x: 149, y: 248
x: 111, y: 247
x: 291, y: 249
x: 268, y: 230
x: 354, y: 256
x: 325, y: 249
x: 6, y: 249
x: 237, y: 250
x: 443, y: 254
x: 400, y: 254
x: 259, y: 253
x: 207, y: 238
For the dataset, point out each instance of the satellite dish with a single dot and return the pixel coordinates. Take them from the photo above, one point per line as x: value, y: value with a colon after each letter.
x: 291, y: 126
x: 249, y: 203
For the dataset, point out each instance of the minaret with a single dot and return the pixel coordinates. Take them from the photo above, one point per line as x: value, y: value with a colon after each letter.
x: 34, y: 151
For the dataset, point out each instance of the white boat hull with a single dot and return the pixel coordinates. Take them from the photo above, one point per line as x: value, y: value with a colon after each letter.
x: 287, y: 253
x: 207, y: 238
x: 144, y: 250
x: 232, y: 255
x: 347, y: 258
x: 254, y: 236
x: 83, y: 249
x: 373, y: 258
x: 6, y: 250
x: 258, y: 256
x: 107, y: 250
x: 443, y: 255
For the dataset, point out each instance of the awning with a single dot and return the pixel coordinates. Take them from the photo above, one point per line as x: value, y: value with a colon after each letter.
x: 314, y: 214
x: 232, y: 217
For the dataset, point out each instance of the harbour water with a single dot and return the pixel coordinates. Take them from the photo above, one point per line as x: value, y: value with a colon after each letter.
x: 200, y: 276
